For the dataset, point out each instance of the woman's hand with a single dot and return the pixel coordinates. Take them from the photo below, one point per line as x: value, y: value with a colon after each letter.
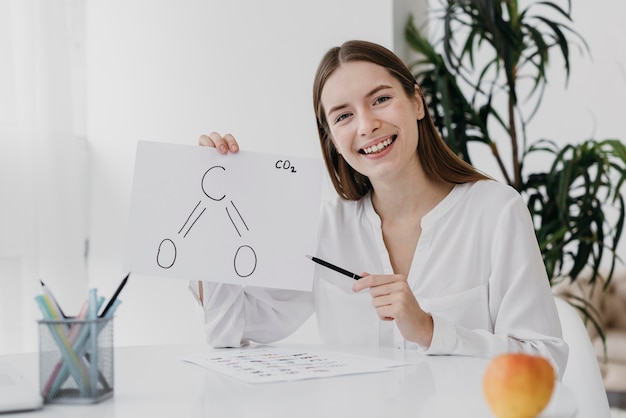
x: 223, y: 144
x: 394, y: 301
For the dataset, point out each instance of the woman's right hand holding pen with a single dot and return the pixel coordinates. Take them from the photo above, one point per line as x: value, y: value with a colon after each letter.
x: 223, y: 144
x: 394, y: 300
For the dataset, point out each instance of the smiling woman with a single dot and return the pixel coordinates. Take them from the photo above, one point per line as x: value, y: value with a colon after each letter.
x: 428, y: 231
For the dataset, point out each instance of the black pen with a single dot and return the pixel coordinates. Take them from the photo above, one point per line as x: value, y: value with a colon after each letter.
x: 334, y: 267
x: 115, y: 295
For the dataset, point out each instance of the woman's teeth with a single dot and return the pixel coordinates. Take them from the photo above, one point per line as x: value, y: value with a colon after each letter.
x: 374, y: 149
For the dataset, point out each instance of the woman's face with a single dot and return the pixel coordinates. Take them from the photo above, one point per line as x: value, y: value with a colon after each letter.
x: 372, y: 121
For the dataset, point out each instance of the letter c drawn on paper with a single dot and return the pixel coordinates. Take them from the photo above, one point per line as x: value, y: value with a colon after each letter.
x: 204, y: 180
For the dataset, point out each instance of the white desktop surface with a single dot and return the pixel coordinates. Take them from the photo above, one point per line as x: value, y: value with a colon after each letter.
x: 153, y: 381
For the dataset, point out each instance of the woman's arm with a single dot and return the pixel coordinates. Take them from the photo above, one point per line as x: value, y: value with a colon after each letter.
x: 521, y: 304
x: 234, y: 315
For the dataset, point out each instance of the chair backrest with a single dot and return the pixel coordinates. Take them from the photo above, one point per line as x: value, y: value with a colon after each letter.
x: 582, y: 373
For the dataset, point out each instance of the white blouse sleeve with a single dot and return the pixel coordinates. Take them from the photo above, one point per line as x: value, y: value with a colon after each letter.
x: 521, y: 304
x: 234, y: 315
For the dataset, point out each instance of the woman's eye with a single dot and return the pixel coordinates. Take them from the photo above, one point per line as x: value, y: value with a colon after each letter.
x: 382, y: 99
x: 341, y: 117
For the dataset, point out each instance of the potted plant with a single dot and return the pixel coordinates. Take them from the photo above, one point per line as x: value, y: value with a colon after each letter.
x: 492, y: 53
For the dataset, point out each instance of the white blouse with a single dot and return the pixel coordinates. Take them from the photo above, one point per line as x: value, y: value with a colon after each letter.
x: 477, y: 270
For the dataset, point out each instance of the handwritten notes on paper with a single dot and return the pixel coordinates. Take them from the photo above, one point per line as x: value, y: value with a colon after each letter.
x: 267, y: 364
x: 247, y: 218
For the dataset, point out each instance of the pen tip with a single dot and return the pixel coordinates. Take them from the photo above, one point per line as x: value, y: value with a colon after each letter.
x: 308, y: 256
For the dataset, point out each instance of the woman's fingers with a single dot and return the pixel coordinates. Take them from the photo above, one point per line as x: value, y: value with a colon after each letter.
x: 393, y: 300
x: 369, y: 281
x: 231, y: 143
x: 206, y: 141
x: 223, y: 144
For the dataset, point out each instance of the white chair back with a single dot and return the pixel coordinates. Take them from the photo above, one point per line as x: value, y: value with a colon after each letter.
x: 582, y: 373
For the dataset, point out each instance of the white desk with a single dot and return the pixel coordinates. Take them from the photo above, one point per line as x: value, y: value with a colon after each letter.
x: 152, y: 381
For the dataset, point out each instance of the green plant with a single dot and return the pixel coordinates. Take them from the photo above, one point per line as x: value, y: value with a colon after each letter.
x: 486, y: 75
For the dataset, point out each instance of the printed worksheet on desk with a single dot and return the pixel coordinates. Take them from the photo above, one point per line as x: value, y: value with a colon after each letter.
x: 267, y: 364
x: 247, y: 218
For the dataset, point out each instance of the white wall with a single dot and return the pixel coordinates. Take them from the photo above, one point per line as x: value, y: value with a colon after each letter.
x: 43, y: 154
x: 169, y: 70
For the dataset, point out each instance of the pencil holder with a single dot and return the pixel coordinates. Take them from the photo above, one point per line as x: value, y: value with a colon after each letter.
x: 76, y: 360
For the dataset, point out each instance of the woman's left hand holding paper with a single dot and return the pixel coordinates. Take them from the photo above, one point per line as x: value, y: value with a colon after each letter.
x: 223, y: 144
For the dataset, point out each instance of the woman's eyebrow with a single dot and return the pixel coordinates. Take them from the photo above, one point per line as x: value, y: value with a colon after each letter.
x: 369, y: 94
x: 336, y: 108
x: 377, y: 89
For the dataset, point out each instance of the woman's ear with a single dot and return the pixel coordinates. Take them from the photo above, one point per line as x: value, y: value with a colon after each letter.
x: 420, y: 104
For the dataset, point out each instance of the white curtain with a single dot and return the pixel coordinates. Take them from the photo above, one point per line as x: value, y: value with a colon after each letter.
x: 43, y: 163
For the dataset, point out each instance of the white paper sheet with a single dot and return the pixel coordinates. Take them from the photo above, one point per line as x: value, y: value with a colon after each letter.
x: 247, y: 218
x: 267, y: 364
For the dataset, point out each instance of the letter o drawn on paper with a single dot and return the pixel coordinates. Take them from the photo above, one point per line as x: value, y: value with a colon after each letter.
x: 205, y: 181
x: 166, y: 256
x: 245, y: 261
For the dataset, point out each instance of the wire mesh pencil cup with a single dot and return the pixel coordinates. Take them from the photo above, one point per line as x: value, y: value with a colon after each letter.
x: 76, y: 360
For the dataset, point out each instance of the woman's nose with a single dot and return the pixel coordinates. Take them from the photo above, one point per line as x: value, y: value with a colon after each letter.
x: 368, y: 122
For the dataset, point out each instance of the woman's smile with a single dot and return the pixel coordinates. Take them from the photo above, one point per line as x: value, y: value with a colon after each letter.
x: 378, y: 147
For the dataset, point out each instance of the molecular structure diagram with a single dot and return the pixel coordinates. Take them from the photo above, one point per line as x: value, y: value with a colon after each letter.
x: 245, y: 259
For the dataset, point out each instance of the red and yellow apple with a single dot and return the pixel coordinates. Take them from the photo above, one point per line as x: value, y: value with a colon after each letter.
x: 518, y: 385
